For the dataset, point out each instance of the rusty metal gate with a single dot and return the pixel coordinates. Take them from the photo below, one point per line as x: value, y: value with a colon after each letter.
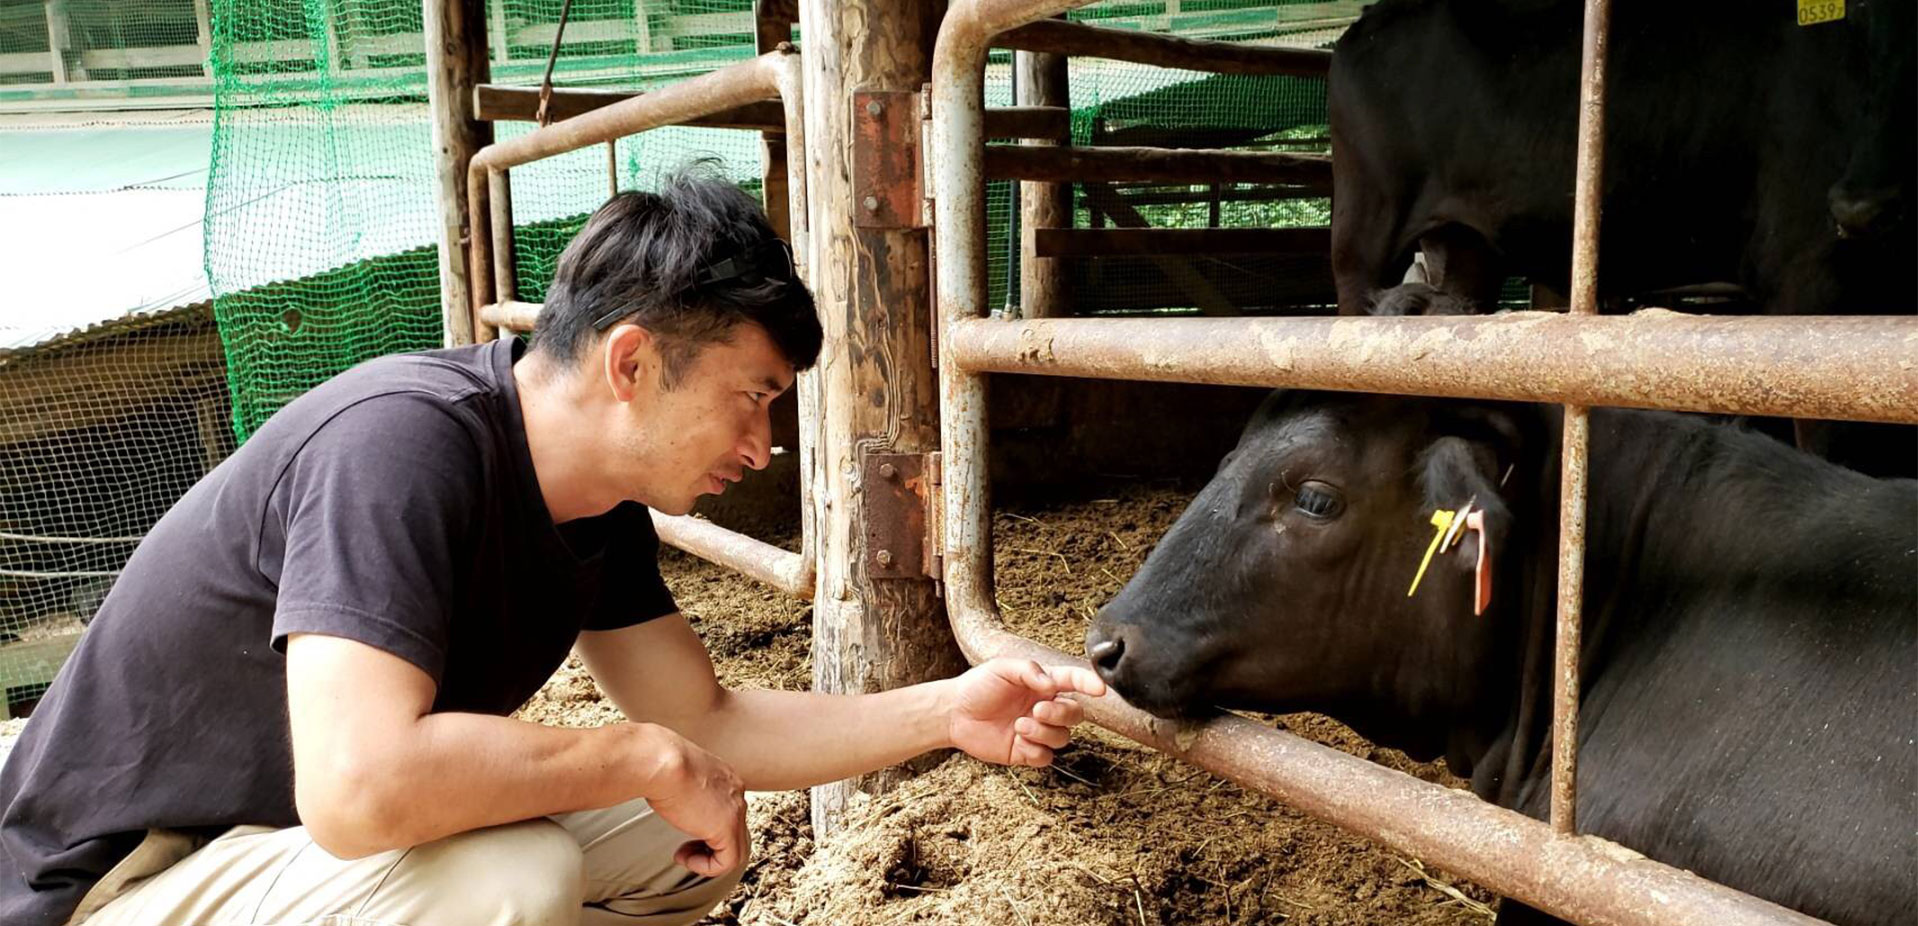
x: 1843, y: 368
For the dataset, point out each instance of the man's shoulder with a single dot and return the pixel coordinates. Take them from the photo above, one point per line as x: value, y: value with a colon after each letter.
x: 397, y: 394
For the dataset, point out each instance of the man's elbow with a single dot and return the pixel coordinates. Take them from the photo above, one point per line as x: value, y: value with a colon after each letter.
x: 349, y: 810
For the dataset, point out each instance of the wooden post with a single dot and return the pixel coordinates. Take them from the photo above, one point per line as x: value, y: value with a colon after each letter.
x: 455, y: 64
x: 873, y: 287
x: 772, y: 25
x: 203, y: 26
x: 57, y: 40
x: 1043, y: 286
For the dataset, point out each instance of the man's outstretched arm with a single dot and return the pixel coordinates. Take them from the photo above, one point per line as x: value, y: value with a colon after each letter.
x: 375, y: 770
x: 1008, y: 711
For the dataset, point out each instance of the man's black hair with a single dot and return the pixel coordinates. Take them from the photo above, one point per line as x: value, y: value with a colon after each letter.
x: 687, y: 264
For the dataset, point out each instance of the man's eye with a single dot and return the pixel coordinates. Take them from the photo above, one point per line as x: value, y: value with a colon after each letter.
x: 1318, y: 500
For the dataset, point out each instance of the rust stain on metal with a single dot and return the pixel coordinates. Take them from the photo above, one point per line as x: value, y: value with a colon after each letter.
x: 895, y: 491
x: 885, y: 158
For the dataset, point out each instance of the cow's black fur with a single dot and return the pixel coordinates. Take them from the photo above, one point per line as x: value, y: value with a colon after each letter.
x: 1749, y: 672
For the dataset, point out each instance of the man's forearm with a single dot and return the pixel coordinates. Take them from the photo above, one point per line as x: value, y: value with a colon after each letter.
x: 780, y: 740
x: 458, y: 772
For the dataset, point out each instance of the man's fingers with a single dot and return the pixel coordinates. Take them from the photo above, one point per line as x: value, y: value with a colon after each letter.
x: 1027, y: 752
x: 1043, y: 734
x: 1034, y: 677
x: 1059, y: 712
x: 1075, y: 678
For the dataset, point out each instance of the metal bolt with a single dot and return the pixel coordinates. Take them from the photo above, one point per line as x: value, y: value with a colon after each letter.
x: 888, y: 470
x: 885, y: 557
x: 872, y: 108
x: 872, y: 204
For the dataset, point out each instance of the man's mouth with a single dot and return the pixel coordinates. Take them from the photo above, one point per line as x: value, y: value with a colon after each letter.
x: 719, y: 482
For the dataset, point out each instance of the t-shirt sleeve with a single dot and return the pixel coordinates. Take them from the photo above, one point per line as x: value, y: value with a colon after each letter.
x: 633, y: 591
x: 377, y: 509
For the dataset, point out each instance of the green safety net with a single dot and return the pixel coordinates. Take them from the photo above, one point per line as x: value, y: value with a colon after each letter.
x: 321, y: 224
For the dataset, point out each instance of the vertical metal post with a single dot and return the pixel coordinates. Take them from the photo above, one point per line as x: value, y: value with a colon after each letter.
x: 455, y: 63
x: 1588, y: 198
x: 500, y: 191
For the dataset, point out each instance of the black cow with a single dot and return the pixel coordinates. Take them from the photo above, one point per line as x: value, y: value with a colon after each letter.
x: 1741, y: 147
x: 1750, y: 692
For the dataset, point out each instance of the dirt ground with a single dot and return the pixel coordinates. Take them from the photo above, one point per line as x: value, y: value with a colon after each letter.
x: 1112, y: 834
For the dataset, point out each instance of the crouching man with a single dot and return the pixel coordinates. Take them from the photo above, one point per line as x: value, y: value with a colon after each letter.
x: 292, y: 706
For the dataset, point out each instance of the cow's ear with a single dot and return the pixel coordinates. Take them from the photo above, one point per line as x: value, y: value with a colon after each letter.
x: 1455, y: 472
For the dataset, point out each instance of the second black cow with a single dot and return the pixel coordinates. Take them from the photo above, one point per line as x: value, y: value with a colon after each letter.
x: 1750, y: 619
x: 1741, y: 147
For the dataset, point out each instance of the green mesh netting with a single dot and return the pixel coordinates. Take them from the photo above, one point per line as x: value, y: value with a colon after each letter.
x: 320, y: 214
x: 321, y: 222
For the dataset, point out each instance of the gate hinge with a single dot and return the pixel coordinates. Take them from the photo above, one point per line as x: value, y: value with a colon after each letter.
x: 900, y: 502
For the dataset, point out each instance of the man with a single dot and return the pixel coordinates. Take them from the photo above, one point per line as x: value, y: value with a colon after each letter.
x: 291, y: 708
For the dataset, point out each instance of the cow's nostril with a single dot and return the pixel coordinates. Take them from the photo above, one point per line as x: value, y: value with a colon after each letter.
x: 1106, y: 655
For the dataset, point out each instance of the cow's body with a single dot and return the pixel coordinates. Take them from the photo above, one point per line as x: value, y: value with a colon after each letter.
x: 1739, y: 146
x: 1750, y: 690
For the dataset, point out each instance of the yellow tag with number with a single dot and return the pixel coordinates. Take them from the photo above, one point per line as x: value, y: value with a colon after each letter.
x: 1813, y: 12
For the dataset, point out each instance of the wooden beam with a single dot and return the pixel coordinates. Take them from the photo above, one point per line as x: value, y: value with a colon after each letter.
x: 1040, y: 79
x: 1106, y: 242
x: 1051, y: 122
x: 873, y: 289
x: 498, y: 103
x: 456, y: 62
x: 1079, y: 40
x: 1158, y: 165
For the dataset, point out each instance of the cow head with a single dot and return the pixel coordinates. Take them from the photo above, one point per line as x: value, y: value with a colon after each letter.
x: 1284, y: 586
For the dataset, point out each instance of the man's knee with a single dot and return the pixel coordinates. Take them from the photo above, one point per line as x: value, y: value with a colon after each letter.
x: 519, y: 874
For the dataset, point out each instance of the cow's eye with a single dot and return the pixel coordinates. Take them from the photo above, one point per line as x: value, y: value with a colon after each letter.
x: 1319, y: 500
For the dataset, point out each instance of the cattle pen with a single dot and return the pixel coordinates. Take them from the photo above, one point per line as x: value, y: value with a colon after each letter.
x: 885, y: 179
x: 1061, y: 251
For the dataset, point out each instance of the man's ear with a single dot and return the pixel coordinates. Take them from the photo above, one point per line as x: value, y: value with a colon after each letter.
x: 630, y: 360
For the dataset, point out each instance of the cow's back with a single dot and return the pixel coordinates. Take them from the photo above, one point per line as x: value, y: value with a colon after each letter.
x: 1726, y: 124
x: 1750, y: 713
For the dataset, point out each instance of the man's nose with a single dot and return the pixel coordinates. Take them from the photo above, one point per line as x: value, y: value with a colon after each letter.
x: 756, y: 448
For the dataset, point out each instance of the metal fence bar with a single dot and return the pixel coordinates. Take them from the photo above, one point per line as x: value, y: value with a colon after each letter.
x: 771, y: 76
x: 1166, y: 51
x: 1840, y: 367
x: 755, y: 559
x: 1581, y: 878
x: 1587, y: 199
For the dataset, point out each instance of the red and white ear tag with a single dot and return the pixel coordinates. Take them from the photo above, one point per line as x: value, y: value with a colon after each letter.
x: 1472, y: 518
x: 1482, y: 597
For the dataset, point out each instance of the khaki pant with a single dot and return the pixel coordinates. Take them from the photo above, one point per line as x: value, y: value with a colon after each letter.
x: 597, y: 867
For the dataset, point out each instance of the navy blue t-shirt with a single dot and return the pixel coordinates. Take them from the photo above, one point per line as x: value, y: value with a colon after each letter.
x: 395, y: 505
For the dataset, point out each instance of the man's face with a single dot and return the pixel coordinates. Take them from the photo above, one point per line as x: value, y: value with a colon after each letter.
x: 709, y: 428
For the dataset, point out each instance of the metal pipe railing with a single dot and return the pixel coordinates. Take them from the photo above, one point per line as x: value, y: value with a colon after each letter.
x: 755, y: 559
x: 775, y: 75
x: 1167, y: 51
x: 1840, y: 367
x: 1582, y: 878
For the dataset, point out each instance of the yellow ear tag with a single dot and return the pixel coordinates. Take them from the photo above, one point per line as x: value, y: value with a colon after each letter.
x: 1813, y: 12
x: 1441, y: 522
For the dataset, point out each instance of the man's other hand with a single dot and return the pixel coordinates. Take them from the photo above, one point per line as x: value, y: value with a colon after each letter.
x: 701, y: 796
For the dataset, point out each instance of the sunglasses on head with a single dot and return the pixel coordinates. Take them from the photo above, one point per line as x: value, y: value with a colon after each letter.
x: 772, y: 260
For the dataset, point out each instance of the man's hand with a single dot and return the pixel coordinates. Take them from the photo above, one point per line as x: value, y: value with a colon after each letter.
x: 1011, y: 711
x: 701, y: 796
